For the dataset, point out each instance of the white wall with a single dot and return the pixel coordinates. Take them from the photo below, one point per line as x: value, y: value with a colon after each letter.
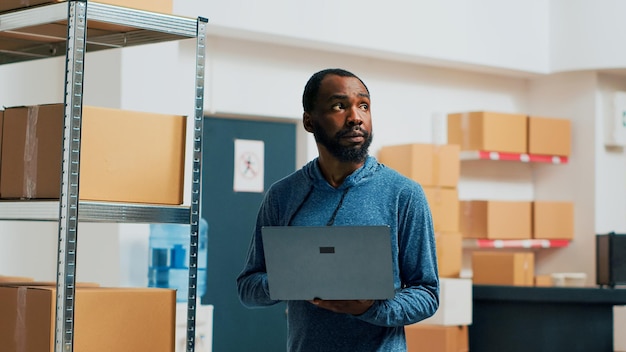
x: 409, y: 53
x: 572, y: 96
x: 587, y: 35
x: 610, y: 163
x: 482, y: 34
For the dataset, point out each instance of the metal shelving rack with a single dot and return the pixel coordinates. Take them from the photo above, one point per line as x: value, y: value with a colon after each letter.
x: 92, y: 26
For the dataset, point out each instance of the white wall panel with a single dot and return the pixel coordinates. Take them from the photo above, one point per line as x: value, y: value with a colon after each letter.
x: 481, y: 34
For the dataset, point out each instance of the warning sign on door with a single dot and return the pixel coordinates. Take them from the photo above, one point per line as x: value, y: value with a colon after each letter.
x: 249, y: 166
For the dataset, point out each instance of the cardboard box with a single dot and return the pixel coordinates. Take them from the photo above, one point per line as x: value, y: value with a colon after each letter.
x: 162, y: 6
x: 549, y: 136
x: 126, y: 156
x: 455, y: 303
x: 444, y: 207
x: 427, y: 164
x: 543, y: 280
x: 435, y: 338
x: 503, y: 268
x: 449, y: 253
x: 11, y: 279
x: 553, y: 220
x: 105, y: 319
x: 490, y: 131
x: 490, y: 219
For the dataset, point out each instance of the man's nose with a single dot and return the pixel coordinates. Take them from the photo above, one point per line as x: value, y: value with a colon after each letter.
x: 354, y: 117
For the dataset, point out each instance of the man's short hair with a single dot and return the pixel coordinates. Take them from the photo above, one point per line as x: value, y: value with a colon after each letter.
x: 312, y: 87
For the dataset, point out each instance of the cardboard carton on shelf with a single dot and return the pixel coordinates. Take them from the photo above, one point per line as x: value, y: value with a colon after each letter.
x: 428, y: 164
x: 491, y: 131
x: 126, y: 156
x: 105, y: 319
x: 161, y: 6
x: 436, y: 338
x: 489, y: 219
x: 444, y: 206
x: 553, y: 220
x: 449, y: 253
x: 549, y: 136
x: 503, y: 268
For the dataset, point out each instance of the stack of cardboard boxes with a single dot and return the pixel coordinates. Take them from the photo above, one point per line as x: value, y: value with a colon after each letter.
x: 436, y: 168
x: 130, y: 157
x: 126, y: 156
x: 105, y: 319
x: 511, y: 220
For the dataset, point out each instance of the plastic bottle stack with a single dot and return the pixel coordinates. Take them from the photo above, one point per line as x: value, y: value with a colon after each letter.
x: 169, y: 258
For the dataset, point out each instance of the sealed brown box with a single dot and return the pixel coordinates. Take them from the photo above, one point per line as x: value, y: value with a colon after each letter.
x: 427, y: 164
x: 490, y: 131
x: 105, y: 319
x: 162, y: 6
x: 543, y: 280
x: 492, y: 219
x: 436, y: 338
x: 126, y: 156
x: 549, y: 136
x: 503, y: 268
x: 444, y: 207
x: 6, y: 279
x: 553, y: 220
x: 449, y: 253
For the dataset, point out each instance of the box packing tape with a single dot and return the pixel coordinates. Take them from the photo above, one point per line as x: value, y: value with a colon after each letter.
x: 20, y: 320
x: 30, y: 154
x: 465, y: 131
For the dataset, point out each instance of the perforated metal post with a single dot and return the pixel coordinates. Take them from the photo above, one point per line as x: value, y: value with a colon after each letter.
x: 68, y: 205
x: 196, y: 185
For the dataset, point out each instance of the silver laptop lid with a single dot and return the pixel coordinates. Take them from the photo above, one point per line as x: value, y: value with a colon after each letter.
x: 328, y: 262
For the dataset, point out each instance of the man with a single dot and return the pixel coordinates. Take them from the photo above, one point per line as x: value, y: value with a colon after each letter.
x: 346, y: 186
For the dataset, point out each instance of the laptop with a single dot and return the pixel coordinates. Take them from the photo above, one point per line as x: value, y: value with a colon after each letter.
x: 328, y: 262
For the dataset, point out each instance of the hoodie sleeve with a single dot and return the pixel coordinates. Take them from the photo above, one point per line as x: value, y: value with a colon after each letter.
x: 281, y: 201
x: 418, y: 296
x: 252, y: 286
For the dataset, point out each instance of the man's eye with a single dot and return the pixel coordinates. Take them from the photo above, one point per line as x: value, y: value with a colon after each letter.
x: 337, y: 106
x: 364, y: 106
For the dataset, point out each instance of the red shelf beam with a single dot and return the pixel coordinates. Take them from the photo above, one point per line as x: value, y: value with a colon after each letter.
x: 521, y: 157
x: 532, y: 243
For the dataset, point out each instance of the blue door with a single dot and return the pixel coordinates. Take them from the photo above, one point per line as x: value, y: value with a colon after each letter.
x: 231, y: 216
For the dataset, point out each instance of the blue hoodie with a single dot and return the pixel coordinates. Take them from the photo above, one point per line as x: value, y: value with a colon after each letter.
x: 372, y: 195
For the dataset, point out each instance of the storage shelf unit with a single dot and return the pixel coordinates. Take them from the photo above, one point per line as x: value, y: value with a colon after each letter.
x: 71, y: 29
x: 95, y: 212
x: 522, y: 157
x: 532, y: 243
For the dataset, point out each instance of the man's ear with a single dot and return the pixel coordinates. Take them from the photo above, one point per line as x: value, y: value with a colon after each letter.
x: 306, y: 122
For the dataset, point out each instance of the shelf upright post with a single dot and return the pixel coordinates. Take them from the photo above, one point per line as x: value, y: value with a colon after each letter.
x: 68, y: 204
x: 196, y: 183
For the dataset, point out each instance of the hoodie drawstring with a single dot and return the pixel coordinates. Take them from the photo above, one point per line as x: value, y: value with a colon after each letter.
x: 331, y: 221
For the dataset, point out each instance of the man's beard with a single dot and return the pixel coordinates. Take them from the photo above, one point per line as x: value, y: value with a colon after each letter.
x: 355, y: 153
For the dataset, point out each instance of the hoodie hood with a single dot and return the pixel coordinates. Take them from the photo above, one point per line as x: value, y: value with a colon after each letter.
x: 313, y: 174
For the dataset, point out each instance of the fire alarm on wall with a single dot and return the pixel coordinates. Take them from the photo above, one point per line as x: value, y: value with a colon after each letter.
x: 616, y: 122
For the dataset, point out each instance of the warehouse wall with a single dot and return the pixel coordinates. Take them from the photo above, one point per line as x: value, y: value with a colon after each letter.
x: 419, y: 64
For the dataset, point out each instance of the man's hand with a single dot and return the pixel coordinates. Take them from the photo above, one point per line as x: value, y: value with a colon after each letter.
x: 354, y: 307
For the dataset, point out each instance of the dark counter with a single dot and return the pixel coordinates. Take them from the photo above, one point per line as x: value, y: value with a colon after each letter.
x: 524, y: 319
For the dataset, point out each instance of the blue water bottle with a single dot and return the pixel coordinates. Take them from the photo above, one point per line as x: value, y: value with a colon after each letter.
x: 169, y: 258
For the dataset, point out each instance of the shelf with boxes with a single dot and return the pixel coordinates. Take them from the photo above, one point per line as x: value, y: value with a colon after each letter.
x: 42, y: 183
x: 485, y: 135
x: 507, y: 229
x: 521, y: 157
